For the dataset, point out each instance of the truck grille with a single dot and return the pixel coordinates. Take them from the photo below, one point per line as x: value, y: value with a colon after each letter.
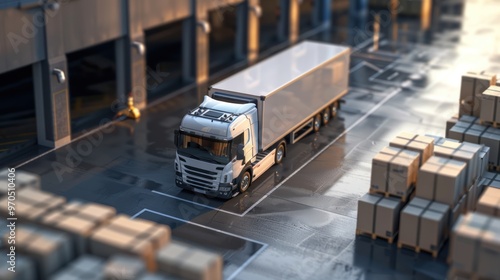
x: 200, y: 178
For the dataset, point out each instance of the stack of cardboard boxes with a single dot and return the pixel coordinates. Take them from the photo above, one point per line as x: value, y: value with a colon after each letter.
x: 393, y: 179
x: 490, y: 106
x: 424, y: 225
x: 20, y: 180
x: 58, y: 238
x: 445, y: 175
x: 394, y: 172
x: 475, y: 247
x: 30, y: 204
x: 489, y: 203
x: 469, y: 129
x: 471, y: 90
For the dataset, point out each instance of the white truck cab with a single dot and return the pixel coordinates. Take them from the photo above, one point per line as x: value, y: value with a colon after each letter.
x: 244, y: 125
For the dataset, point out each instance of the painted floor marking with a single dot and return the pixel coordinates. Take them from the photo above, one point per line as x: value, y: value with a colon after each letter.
x: 241, y: 267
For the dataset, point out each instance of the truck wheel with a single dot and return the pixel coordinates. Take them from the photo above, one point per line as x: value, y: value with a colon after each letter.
x: 317, y: 123
x: 280, y: 153
x: 333, y: 110
x: 245, y: 182
x: 325, y: 116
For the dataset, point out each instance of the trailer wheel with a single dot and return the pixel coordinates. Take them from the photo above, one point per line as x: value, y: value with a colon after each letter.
x: 316, y: 123
x: 245, y: 181
x: 334, y: 109
x: 280, y: 153
x: 325, y: 116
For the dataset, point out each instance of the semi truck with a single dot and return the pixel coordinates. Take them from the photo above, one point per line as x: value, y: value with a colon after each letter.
x: 245, y: 123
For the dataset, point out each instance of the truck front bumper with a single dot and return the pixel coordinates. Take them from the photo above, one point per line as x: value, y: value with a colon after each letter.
x: 224, y: 191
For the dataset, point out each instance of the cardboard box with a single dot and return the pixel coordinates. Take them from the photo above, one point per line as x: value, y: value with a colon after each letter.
x: 424, y: 224
x: 492, y: 141
x: 387, y: 217
x: 427, y: 180
x: 394, y: 170
x: 32, y: 204
x: 380, y: 172
x: 489, y: 104
x: 410, y: 221
x: 403, y: 173
x: 423, y: 145
x: 366, y: 212
x: 457, y: 133
x: 490, y: 100
x: 489, y: 202
x: 130, y: 237
x: 466, y: 235
x: 450, y: 123
x: 124, y: 267
x: 49, y: 250
x: 468, y: 119
x: 85, y: 267
x: 467, y: 95
x: 189, y: 263
x: 441, y: 179
x: 489, y: 255
x: 484, y: 156
x: 433, y: 227
x: 457, y: 210
x: 22, y: 178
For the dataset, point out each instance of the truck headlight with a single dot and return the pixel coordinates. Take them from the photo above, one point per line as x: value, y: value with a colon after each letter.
x: 224, y: 189
x: 178, y: 177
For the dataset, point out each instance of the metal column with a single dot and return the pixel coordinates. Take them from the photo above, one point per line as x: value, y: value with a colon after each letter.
x: 51, y: 87
x: 253, y: 14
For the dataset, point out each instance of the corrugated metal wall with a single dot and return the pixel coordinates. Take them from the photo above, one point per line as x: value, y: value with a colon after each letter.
x: 21, y: 38
x: 74, y: 25
x: 90, y: 22
x: 158, y: 12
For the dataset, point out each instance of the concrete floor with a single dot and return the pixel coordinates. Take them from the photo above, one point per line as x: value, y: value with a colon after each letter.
x: 298, y: 220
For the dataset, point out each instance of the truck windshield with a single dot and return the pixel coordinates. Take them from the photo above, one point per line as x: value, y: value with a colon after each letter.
x: 203, y: 148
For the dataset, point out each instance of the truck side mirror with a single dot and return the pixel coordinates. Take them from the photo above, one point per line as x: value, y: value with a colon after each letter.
x: 239, y: 152
x: 176, y: 137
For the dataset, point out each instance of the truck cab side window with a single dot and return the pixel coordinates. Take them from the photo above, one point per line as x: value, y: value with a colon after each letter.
x: 234, y: 146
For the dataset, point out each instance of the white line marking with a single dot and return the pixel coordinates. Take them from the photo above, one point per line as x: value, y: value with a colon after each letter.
x: 138, y: 214
x: 241, y: 267
x: 196, y: 203
x: 396, y: 91
x: 247, y: 262
x: 196, y: 224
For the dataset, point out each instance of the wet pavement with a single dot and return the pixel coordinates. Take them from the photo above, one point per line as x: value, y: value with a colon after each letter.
x: 298, y: 220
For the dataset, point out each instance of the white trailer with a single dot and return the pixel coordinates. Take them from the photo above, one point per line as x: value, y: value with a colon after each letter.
x: 246, y: 121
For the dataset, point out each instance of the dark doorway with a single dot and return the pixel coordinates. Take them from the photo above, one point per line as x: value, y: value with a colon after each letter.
x: 164, y: 59
x: 92, y: 86
x: 306, y: 17
x: 18, y: 118
x: 271, y: 30
x: 223, y: 37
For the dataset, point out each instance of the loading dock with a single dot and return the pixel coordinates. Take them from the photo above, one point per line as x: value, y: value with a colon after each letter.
x: 92, y: 86
x: 17, y: 121
x: 165, y: 65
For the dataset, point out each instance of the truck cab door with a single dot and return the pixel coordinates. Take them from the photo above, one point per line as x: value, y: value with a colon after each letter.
x: 248, y: 147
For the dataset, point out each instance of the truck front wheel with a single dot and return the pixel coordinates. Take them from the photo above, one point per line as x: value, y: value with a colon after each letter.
x: 245, y: 182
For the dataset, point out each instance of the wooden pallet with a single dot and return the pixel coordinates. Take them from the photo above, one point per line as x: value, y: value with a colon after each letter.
x: 387, y: 194
x: 455, y: 274
x: 417, y: 249
x: 374, y: 236
x: 488, y: 123
x: 493, y: 168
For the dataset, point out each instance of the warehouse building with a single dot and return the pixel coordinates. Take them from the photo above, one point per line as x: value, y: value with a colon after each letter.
x: 65, y: 66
